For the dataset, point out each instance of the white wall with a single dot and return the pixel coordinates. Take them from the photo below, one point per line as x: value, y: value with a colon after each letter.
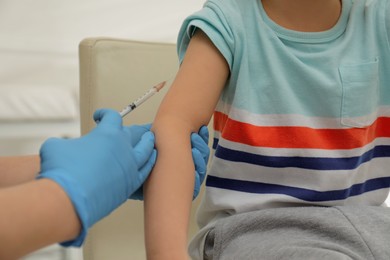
x: 39, y: 52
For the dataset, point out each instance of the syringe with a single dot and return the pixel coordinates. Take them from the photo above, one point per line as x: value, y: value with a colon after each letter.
x: 142, y: 99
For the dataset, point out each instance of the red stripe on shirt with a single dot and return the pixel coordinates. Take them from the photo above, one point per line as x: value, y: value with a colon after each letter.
x: 300, y: 136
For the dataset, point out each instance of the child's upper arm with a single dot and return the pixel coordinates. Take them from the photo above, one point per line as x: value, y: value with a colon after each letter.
x: 198, y: 84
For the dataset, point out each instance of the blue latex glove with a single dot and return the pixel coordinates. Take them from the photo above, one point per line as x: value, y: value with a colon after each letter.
x: 100, y: 170
x: 200, y: 156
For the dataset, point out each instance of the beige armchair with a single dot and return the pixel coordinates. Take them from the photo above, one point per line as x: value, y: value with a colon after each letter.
x: 113, y: 73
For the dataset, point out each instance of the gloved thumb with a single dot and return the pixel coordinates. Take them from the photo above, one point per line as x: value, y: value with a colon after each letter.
x: 136, y: 131
x: 204, y: 133
x: 107, y: 117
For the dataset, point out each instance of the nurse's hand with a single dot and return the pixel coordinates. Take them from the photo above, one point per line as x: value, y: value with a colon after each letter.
x: 100, y: 170
x: 200, y: 156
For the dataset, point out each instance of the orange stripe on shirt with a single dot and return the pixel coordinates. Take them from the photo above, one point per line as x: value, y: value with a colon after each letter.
x: 300, y: 137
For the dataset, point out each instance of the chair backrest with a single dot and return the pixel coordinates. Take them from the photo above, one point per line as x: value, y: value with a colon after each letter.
x: 113, y: 73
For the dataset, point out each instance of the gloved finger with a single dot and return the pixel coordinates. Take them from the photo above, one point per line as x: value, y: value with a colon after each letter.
x: 143, y: 149
x: 143, y: 175
x: 52, y: 141
x: 45, y: 150
x: 147, y: 126
x: 204, y: 133
x: 136, y: 132
x: 200, y: 166
x: 107, y: 117
x: 198, y: 143
x: 138, y: 194
x: 197, y: 187
x: 50, y: 145
x: 147, y: 167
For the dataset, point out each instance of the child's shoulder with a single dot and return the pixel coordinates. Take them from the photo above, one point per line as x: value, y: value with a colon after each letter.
x: 235, y: 11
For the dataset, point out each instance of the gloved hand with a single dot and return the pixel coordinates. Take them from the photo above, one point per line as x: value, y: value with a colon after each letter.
x: 200, y: 156
x: 100, y: 170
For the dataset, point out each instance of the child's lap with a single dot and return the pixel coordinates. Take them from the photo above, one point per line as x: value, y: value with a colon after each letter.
x: 303, y: 233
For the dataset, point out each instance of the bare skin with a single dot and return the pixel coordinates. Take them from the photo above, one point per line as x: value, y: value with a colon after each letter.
x: 51, y: 215
x: 18, y: 169
x: 304, y: 15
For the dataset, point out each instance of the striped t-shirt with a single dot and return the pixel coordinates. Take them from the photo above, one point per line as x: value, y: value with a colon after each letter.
x: 304, y: 118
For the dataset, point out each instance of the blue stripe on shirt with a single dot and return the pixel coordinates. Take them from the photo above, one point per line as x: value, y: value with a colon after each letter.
x: 314, y: 163
x: 300, y: 193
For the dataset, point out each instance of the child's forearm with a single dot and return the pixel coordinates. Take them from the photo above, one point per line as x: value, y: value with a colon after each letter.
x: 168, y: 192
x: 18, y: 169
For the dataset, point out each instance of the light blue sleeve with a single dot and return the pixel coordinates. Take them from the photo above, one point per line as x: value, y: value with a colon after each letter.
x: 212, y: 21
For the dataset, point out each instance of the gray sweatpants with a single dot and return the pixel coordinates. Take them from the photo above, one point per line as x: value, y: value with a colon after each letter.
x: 303, y: 233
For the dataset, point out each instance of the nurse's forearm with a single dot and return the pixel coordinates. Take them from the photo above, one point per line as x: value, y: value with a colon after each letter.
x: 168, y: 193
x: 34, y: 215
x: 18, y: 169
